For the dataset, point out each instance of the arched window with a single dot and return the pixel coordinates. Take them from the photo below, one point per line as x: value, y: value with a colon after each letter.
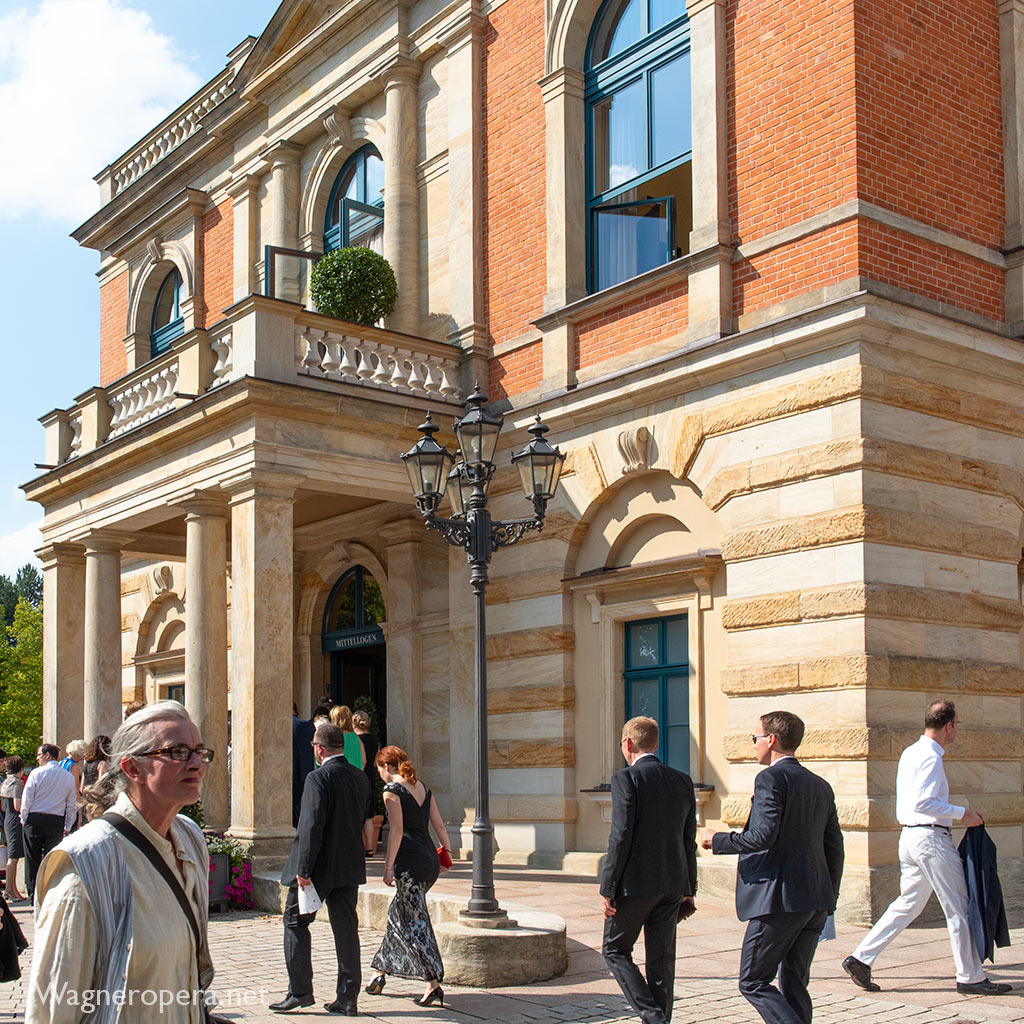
x: 355, y: 211
x: 637, y: 92
x: 354, y: 612
x: 168, y: 323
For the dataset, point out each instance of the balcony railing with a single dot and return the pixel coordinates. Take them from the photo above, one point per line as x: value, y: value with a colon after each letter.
x: 261, y: 338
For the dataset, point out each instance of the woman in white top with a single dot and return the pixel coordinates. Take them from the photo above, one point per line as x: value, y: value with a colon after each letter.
x: 99, y: 895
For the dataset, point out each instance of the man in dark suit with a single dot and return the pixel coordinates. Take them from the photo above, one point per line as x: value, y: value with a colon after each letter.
x: 650, y: 870
x: 302, y: 759
x: 787, y: 880
x: 328, y: 854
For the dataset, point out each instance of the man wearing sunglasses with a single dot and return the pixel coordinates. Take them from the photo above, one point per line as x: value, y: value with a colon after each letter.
x: 787, y: 879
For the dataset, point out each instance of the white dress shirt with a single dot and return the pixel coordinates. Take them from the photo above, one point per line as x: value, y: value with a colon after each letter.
x: 922, y: 792
x: 50, y: 790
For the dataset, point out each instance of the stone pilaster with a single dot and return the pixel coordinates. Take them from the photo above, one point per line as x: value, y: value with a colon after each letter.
x: 284, y: 195
x: 63, y: 642
x: 246, y: 227
x: 463, y: 42
x: 710, y: 283
x: 405, y: 676
x: 1011, y: 52
x: 206, y: 641
x: 261, y: 661
x: 401, y: 192
x: 102, y: 675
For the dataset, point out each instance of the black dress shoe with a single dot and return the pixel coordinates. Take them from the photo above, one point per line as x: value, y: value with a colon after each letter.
x: 290, y: 1003
x: 985, y: 987
x: 860, y: 974
x: 345, y: 1009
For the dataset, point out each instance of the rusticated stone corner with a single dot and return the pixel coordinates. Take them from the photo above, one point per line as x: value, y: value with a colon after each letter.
x: 688, y: 443
x: 585, y: 465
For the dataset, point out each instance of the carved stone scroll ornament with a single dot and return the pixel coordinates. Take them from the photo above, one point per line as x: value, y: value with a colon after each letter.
x: 155, y: 248
x: 164, y: 579
x: 338, y: 126
x: 635, y: 448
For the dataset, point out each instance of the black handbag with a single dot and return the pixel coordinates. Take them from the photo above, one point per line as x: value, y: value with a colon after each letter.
x: 137, y: 839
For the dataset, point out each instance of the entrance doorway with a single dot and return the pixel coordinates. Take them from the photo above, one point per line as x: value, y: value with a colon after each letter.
x: 361, y: 673
x: 354, y: 641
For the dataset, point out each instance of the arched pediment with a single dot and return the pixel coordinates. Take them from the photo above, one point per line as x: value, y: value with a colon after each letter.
x: 160, y: 260
x: 568, y: 31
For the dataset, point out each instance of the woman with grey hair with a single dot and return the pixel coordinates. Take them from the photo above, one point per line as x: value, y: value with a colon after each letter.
x: 122, y: 904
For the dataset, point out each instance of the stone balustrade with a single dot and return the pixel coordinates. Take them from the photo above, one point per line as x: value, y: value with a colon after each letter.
x: 166, y: 138
x: 381, y: 359
x: 143, y: 400
x: 266, y: 339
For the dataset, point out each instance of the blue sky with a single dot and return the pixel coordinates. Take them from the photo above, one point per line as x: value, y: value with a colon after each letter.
x: 80, y: 82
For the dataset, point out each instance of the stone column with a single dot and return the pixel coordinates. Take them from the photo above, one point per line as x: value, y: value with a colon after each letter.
x: 246, y: 233
x: 405, y: 664
x: 102, y: 676
x: 401, y: 192
x: 63, y: 642
x: 284, y: 196
x: 262, y: 640
x: 463, y: 41
x: 206, y: 641
x: 1011, y: 51
x: 710, y: 285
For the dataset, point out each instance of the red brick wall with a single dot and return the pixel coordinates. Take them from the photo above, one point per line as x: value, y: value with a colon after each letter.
x: 633, y: 326
x: 113, y: 323
x: 792, y: 111
x: 929, y: 113
x: 513, y: 168
x: 516, y: 372
x: 218, y: 262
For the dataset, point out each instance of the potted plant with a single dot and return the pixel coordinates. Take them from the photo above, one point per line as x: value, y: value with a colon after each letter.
x: 354, y: 284
x: 230, y: 874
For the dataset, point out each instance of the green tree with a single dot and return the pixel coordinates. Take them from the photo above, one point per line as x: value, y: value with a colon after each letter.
x: 8, y: 600
x: 29, y: 584
x: 21, y: 682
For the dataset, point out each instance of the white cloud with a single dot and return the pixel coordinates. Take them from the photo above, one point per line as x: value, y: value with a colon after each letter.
x: 18, y: 548
x: 80, y: 82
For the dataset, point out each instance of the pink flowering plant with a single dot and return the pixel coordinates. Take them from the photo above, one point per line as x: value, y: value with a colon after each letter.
x: 239, y: 889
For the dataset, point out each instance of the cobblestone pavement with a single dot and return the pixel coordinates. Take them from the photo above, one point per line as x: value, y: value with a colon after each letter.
x: 916, y: 972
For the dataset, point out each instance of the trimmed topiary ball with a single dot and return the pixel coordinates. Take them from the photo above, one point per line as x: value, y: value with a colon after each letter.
x: 354, y: 284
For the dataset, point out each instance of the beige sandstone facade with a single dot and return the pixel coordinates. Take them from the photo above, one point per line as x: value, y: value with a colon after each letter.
x: 828, y: 487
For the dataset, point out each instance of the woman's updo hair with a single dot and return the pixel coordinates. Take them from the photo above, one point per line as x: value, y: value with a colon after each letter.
x: 360, y: 719
x: 396, y: 760
x: 341, y: 716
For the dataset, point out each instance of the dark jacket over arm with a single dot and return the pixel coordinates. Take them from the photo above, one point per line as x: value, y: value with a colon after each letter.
x: 791, y: 851
x: 652, y: 846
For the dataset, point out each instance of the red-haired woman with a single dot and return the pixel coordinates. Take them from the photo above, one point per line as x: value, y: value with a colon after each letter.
x: 411, y: 864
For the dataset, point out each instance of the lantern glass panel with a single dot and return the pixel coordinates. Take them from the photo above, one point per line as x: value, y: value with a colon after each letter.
x: 478, y: 440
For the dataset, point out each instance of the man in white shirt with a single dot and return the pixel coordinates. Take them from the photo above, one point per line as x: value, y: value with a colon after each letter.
x: 929, y: 861
x: 48, y: 810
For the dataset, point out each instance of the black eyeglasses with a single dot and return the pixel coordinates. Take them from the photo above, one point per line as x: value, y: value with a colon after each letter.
x: 754, y: 737
x: 181, y: 752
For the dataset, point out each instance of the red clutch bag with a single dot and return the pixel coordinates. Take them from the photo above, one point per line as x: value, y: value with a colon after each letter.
x: 444, y: 857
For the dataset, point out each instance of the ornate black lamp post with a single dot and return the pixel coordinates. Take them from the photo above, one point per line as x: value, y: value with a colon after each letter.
x: 432, y: 471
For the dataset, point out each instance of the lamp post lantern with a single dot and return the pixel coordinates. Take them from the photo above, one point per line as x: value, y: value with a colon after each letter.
x: 433, y: 471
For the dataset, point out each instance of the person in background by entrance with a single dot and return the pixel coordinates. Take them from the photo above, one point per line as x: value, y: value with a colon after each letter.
x: 97, y: 760
x: 49, y: 805
x: 132, y: 707
x: 75, y: 751
x: 361, y: 724
x: 929, y: 861
x: 302, y: 758
x: 411, y: 864
x: 10, y: 802
x: 341, y: 716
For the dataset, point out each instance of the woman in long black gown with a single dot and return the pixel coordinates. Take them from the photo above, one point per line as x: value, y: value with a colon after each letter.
x: 411, y: 864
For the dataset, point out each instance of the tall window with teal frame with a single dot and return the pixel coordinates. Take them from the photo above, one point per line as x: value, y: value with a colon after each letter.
x: 639, y: 182
x: 168, y: 323
x: 657, y: 680
x: 354, y: 612
x: 355, y: 210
